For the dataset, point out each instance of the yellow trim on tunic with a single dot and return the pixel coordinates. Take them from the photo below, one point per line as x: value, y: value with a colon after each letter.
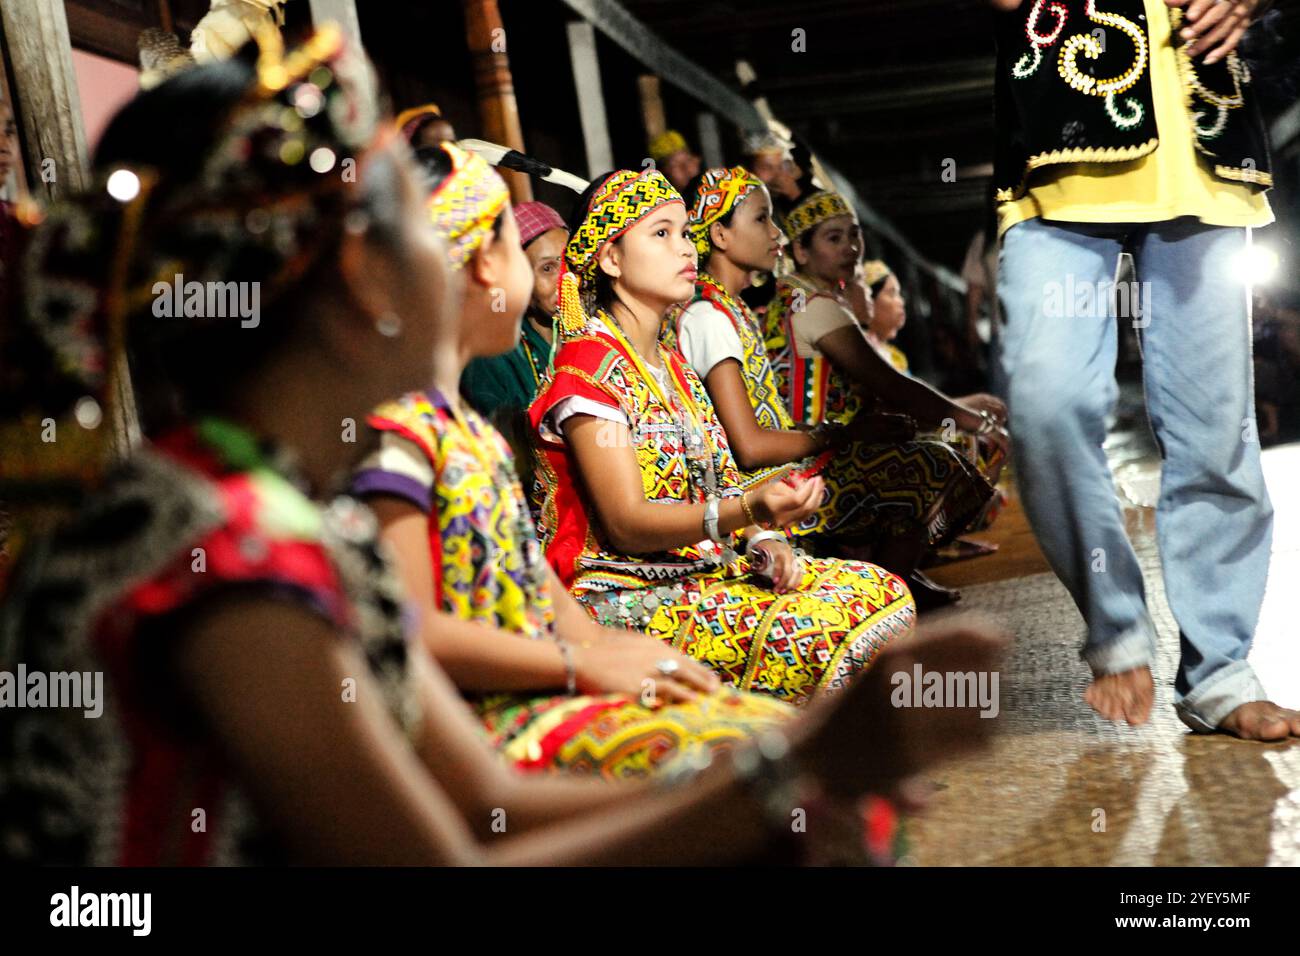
x: 1164, y: 184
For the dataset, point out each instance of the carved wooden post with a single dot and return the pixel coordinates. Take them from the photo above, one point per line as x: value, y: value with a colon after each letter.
x: 498, y: 110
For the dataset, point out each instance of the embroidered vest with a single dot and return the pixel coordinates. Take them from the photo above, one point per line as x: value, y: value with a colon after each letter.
x: 812, y: 390
x: 1074, y: 86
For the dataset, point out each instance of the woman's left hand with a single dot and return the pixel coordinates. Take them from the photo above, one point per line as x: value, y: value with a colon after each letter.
x: 782, y: 567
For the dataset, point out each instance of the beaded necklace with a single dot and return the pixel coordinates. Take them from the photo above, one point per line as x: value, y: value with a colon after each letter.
x: 698, y: 449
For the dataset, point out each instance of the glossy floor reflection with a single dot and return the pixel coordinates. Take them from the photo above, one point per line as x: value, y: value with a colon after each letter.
x: 1060, y: 786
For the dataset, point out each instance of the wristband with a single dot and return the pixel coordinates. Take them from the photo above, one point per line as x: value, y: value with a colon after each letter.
x: 749, y: 512
x: 711, y: 519
x: 764, y: 536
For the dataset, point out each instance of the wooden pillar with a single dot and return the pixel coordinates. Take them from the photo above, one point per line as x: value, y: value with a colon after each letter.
x: 497, y: 108
x: 45, y: 99
x: 652, y: 105
x: 591, y: 99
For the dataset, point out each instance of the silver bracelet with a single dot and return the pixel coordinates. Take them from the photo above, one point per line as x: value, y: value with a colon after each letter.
x: 711, y: 520
x: 765, y: 536
x: 570, y: 669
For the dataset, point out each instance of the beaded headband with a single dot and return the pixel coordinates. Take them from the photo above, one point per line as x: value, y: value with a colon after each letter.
x: 814, y: 211
x: 721, y: 190
x: 665, y: 144
x: 622, y: 200
x: 466, y: 204
x: 875, y: 270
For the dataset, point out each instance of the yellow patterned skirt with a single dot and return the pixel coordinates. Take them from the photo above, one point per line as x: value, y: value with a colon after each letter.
x: 615, y: 736
x: 792, y: 646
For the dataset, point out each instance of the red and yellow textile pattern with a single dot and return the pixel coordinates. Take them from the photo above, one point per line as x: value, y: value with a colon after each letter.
x: 466, y: 203
x: 790, y: 645
x: 493, y: 572
x: 813, y: 391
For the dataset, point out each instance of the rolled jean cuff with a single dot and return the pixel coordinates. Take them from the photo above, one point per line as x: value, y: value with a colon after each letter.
x: 1204, y: 708
x: 1131, y: 649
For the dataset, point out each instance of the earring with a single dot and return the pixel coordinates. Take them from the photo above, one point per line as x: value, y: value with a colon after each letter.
x: 389, y: 325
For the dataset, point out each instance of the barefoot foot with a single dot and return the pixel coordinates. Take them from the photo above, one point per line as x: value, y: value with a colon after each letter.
x: 1261, y: 720
x: 1124, y: 696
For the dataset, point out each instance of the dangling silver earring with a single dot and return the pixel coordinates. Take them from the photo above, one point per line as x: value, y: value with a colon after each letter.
x: 389, y: 325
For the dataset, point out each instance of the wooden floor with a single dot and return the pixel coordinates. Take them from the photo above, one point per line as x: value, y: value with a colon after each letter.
x: 1061, y: 786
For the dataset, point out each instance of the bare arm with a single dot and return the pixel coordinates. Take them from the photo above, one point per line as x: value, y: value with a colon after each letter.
x: 342, y: 786
x: 338, y: 781
x: 852, y: 355
x: 753, y: 445
x: 604, y: 455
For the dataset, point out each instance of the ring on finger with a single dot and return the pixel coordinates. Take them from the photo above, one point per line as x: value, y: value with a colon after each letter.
x: 667, y: 667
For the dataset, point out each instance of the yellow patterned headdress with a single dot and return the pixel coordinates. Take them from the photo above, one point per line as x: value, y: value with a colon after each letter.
x: 466, y: 204
x: 622, y: 200
x: 721, y: 190
x: 875, y: 270
x: 814, y: 211
x: 665, y: 144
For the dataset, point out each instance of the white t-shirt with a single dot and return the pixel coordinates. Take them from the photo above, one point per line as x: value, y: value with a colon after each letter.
x: 551, y: 423
x: 707, y: 337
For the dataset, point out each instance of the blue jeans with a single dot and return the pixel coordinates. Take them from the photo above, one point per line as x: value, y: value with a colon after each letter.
x: 1214, y: 521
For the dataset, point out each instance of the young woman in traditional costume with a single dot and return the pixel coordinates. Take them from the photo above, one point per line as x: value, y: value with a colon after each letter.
x: 260, y: 700
x: 554, y: 689
x: 827, y: 373
x: 644, y: 510
x: 871, y: 497
x: 888, y: 316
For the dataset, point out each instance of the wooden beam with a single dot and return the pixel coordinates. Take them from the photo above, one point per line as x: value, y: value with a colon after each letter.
x: 498, y: 110
x: 46, y: 101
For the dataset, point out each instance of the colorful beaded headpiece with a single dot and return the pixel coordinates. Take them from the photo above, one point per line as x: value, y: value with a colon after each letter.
x: 466, y: 204
x: 721, y: 190
x: 875, y: 270
x: 622, y: 200
x: 814, y: 211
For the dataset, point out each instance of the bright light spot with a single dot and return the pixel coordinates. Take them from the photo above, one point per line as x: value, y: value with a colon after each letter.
x: 1256, y: 264
x: 308, y: 100
x: 123, y: 185
x: 88, y: 413
x: 322, y: 159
